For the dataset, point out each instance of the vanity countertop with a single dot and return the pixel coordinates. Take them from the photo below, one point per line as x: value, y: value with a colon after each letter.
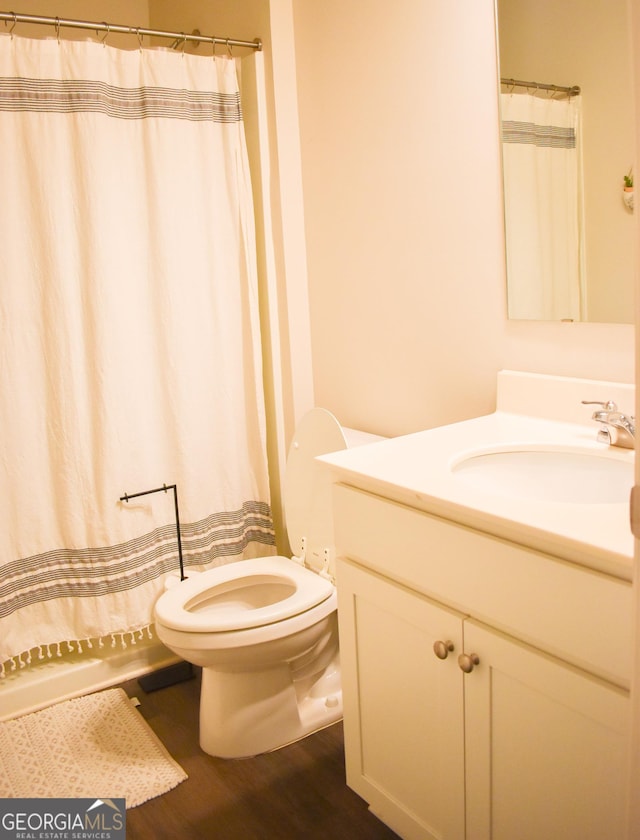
x: 416, y: 470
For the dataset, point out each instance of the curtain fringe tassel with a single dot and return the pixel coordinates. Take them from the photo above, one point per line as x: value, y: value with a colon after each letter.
x: 41, y: 653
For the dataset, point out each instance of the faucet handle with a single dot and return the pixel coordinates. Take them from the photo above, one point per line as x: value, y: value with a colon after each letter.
x: 609, y: 405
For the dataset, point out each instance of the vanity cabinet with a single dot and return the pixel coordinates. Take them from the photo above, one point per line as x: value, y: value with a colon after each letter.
x: 545, y: 746
x: 403, y: 707
x: 529, y: 740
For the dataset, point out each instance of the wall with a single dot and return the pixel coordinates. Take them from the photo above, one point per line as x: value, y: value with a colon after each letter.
x: 125, y: 12
x: 400, y: 178
x: 546, y: 40
x: 244, y: 21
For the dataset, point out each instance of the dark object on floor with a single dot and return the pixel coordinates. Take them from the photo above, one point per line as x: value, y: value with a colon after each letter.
x: 170, y: 675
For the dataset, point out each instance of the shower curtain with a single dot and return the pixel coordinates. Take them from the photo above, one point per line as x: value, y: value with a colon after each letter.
x: 129, y: 336
x: 543, y: 206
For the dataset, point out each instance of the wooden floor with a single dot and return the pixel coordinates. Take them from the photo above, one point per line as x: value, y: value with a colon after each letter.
x: 295, y: 792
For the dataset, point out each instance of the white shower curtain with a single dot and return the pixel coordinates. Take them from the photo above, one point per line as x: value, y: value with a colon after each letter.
x: 543, y: 210
x: 129, y: 335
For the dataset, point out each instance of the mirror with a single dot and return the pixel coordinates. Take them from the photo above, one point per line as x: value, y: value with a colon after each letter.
x: 581, y: 267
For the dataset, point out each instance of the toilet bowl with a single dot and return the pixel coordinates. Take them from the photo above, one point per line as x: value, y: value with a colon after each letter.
x: 265, y: 631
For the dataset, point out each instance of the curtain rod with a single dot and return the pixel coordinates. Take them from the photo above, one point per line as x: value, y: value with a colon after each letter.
x: 570, y: 91
x: 177, y: 37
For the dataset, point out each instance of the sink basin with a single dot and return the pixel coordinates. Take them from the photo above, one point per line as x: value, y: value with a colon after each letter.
x: 546, y: 474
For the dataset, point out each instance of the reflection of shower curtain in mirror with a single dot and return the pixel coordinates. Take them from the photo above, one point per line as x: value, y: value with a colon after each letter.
x: 543, y: 215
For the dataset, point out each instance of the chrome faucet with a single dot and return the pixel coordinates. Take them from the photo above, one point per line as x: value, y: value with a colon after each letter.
x: 616, y: 429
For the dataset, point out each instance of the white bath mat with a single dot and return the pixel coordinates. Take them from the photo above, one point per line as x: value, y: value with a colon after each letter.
x: 93, y: 746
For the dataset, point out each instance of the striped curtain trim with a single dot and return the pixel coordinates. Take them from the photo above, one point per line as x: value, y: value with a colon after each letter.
x: 89, y: 572
x: 69, y: 95
x: 538, y: 135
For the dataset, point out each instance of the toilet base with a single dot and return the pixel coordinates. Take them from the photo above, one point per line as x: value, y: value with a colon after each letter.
x: 245, y: 714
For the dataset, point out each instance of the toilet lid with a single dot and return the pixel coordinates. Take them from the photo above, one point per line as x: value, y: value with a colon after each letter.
x: 307, y: 485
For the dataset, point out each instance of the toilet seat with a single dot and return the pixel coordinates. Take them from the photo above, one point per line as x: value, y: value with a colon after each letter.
x: 242, y: 595
x: 248, y: 594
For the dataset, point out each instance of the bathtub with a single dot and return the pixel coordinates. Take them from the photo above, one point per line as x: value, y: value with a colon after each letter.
x: 64, y: 671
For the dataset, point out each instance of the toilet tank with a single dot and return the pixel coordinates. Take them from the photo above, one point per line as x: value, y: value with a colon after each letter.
x: 307, y: 487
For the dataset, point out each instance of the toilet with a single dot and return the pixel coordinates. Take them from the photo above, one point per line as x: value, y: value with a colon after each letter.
x: 265, y: 631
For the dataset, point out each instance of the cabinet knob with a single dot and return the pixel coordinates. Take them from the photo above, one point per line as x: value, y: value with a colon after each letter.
x: 442, y: 649
x: 468, y: 661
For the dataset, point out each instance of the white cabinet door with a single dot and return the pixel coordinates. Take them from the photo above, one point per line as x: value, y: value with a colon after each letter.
x: 545, y: 745
x: 403, y: 706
